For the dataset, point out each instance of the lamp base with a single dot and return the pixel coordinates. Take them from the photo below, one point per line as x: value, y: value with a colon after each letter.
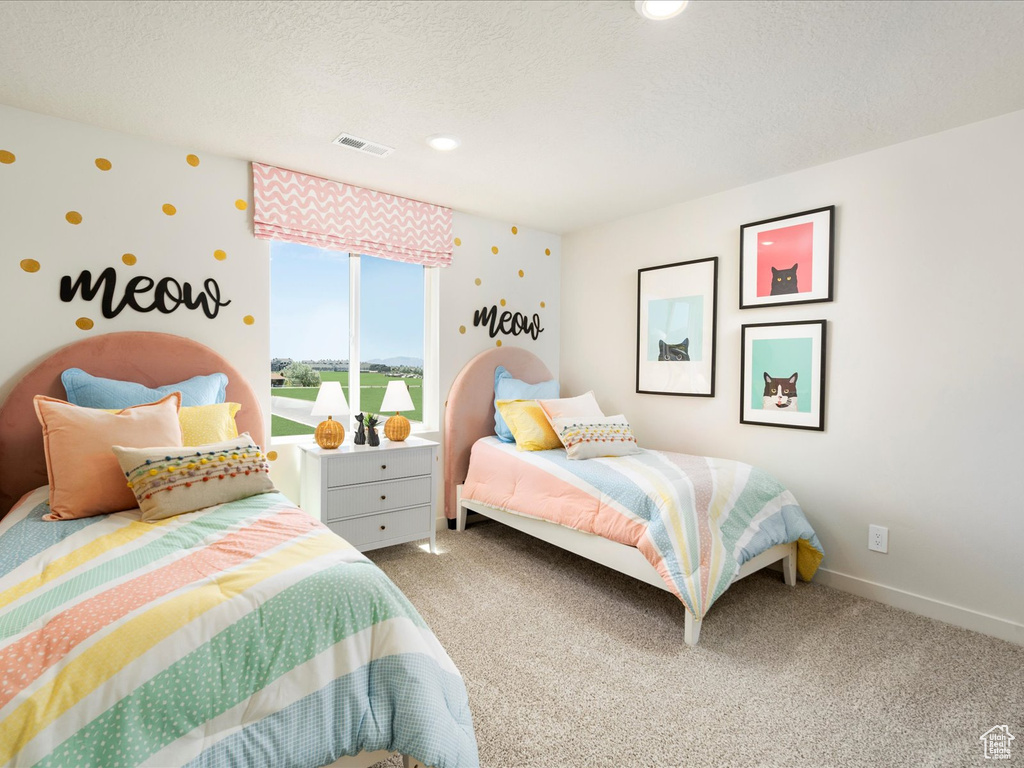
x: 330, y: 434
x: 397, y: 428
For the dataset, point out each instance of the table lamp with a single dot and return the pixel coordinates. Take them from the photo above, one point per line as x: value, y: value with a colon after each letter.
x: 330, y: 401
x: 396, y: 398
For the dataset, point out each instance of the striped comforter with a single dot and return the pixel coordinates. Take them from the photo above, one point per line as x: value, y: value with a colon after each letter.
x: 695, y: 519
x: 241, y: 635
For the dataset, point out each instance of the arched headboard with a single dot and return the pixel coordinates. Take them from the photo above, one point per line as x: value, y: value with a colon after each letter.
x: 153, y: 359
x: 469, y: 412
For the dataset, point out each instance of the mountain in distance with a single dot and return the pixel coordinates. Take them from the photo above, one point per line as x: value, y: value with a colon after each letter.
x: 412, y: 362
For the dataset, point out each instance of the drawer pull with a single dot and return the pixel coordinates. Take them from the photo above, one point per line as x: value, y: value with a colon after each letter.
x: 383, y: 527
x: 382, y: 497
x: 383, y: 466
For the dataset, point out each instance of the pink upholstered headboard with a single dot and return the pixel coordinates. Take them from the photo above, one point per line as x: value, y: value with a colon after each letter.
x: 153, y: 359
x: 469, y: 412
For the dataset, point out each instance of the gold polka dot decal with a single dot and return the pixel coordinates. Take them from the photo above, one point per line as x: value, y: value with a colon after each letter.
x: 515, y: 230
x: 30, y: 265
x: 458, y: 241
x: 271, y: 455
x: 129, y: 259
x: 497, y: 343
x: 241, y: 204
x: 84, y: 323
x: 521, y: 273
x: 547, y: 251
x: 73, y: 217
x: 462, y: 329
x: 494, y: 250
x: 477, y: 281
x: 248, y: 319
x: 219, y: 255
x: 192, y: 160
x: 542, y: 305
x: 7, y: 157
x: 503, y: 302
x: 103, y: 164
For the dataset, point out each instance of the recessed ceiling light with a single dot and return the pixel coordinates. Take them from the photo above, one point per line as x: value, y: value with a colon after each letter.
x: 443, y: 143
x: 767, y: 242
x: 659, y: 10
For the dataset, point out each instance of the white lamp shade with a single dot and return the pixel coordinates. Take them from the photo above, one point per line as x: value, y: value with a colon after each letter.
x: 330, y: 400
x: 397, y: 397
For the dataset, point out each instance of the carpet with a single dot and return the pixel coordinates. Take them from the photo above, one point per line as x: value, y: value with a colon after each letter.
x: 568, y: 663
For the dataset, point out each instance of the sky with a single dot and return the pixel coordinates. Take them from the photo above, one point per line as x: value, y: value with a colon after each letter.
x: 309, y: 291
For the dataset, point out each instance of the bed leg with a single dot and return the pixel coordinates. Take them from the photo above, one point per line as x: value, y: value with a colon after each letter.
x: 460, y: 511
x: 789, y: 567
x: 411, y: 762
x: 691, y: 632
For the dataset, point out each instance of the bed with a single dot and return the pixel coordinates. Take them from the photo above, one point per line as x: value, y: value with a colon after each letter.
x: 690, y: 525
x: 244, y: 634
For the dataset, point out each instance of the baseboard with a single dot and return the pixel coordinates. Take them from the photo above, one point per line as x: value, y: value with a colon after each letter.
x: 1004, y: 629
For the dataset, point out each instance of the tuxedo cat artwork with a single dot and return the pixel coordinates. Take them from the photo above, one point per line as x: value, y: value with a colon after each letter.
x: 674, y: 352
x: 784, y: 281
x: 779, y: 394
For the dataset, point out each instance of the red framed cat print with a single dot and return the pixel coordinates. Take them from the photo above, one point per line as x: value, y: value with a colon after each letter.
x: 788, y: 259
x: 782, y: 374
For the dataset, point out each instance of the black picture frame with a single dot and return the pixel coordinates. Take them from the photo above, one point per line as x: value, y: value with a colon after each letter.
x: 785, y: 357
x: 821, y: 257
x: 675, y: 288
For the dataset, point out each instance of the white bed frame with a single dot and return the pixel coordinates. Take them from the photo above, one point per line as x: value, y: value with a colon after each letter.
x: 611, y: 554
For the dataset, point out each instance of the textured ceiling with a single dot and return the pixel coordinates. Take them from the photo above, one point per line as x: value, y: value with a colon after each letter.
x: 570, y: 113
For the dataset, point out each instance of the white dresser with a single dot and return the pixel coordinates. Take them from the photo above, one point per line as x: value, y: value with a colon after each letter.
x: 373, y: 497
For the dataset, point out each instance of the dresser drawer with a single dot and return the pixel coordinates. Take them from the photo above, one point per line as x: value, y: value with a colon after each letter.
x: 377, y: 497
x: 372, y: 467
x: 405, y: 525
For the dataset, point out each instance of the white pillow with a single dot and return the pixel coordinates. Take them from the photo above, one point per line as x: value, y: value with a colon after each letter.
x: 580, y: 407
x: 596, y: 437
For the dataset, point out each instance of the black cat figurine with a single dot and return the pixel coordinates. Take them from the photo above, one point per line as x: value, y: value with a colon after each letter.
x: 676, y: 352
x: 784, y: 280
x: 371, y: 435
x: 360, y: 438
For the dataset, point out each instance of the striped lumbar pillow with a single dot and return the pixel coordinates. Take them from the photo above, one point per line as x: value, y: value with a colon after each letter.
x: 171, y: 481
x: 594, y: 438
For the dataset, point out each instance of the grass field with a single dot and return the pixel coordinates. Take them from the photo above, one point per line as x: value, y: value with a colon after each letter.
x: 371, y: 395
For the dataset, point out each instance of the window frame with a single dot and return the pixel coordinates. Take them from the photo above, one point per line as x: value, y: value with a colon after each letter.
x: 431, y: 352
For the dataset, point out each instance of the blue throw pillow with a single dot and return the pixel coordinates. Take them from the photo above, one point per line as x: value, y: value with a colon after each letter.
x: 508, y: 388
x: 91, y: 391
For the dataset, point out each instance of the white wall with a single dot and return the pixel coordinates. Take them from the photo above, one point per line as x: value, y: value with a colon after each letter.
x: 923, y: 406
x: 54, y: 172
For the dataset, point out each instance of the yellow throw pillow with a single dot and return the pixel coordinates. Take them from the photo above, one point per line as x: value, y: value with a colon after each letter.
x: 202, y: 424
x: 528, y: 424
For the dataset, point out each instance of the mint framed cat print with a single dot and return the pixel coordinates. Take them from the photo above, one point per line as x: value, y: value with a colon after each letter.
x: 677, y: 312
x: 782, y: 374
x: 788, y: 259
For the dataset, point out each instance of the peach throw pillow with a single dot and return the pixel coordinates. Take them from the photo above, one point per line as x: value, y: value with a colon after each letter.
x: 85, y: 478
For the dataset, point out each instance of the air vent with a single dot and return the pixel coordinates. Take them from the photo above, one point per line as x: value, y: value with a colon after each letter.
x: 369, y: 147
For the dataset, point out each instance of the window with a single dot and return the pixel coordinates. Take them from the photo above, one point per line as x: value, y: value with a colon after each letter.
x: 360, y: 320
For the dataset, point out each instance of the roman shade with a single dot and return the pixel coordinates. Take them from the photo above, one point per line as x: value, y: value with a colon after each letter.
x: 298, y: 208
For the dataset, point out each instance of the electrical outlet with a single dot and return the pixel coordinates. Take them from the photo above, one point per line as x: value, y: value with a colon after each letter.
x: 878, y: 538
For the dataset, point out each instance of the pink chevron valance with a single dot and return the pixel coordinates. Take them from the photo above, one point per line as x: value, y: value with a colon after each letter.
x: 298, y: 208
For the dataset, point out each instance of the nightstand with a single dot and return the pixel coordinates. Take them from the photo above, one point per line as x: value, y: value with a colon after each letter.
x: 373, y: 497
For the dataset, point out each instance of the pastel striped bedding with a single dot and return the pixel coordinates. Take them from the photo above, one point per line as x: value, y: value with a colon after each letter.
x: 696, y: 519
x: 246, y: 634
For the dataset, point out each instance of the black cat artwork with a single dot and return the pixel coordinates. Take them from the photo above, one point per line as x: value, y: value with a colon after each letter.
x: 779, y: 393
x: 674, y: 352
x: 360, y: 438
x: 784, y: 281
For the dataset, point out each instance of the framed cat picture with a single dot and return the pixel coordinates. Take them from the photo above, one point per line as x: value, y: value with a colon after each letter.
x: 788, y: 259
x: 677, y: 312
x: 782, y: 374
